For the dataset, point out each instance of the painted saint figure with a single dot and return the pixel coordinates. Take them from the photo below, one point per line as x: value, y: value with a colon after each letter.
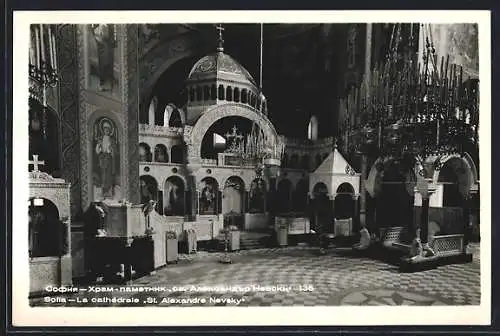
x: 208, y: 200
x: 106, y: 154
x: 257, y: 196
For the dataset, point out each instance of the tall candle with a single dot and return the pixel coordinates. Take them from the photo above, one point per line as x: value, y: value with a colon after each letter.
x: 55, y: 51
x: 51, y: 48
x: 42, y: 43
x: 37, y: 39
x: 32, y: 49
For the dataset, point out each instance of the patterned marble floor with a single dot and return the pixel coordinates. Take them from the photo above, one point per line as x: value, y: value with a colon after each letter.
x: 294, y: 276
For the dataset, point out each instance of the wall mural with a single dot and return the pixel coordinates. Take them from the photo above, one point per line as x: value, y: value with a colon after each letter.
x: 106, y: 160
x: 208, y: 196
x: 103, y: 54
x: 257, y: 196
x: 174, y: 196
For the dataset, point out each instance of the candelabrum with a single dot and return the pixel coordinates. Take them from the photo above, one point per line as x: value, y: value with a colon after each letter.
x: 411, y: 111
x: 226, y: 258
x: 42, y: 61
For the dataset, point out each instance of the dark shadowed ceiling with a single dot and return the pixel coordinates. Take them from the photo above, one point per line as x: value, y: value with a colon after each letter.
x: 302, y: 69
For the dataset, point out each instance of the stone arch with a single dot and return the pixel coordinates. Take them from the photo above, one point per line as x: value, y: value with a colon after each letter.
x: 344, y: 201
x: 170, y: 112
x: 175, y: 176
x: 457, y: 177
x: 216, y: 113
x: 45, y: 230
x: 375, y: 177
x: 345, y: 188
x: 468, y: 178
x: 161, y: 153
x: 155, y: 72
x: 234, y: 178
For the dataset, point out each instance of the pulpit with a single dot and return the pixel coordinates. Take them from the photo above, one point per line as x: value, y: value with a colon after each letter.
x: 50, y: 262
x: 122, y: 243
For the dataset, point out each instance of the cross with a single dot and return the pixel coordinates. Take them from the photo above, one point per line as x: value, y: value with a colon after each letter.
x: 36, y: 163
x: 220, y: 29
x: 220, y: 46
x: 234, y: 134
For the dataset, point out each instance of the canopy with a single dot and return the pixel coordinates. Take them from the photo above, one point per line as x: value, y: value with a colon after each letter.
x: 335, y: 172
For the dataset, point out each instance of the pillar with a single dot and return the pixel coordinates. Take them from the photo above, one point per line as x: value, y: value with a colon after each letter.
x: 362, y: 194
x: 245, y: 200
x: 355, y: 219
x: 424, y: 220
x: 368, y: 55
x: 466, y: 221
x: 331, y: 229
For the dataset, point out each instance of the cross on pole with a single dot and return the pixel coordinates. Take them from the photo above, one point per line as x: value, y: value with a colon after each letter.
x: 36, y: 163
x: 220, y: 29
x: 220, y: 46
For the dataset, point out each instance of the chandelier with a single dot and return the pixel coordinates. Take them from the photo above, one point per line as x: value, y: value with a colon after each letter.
x: 42, y: 62
x: 414, y: 109
x: 257, y: 149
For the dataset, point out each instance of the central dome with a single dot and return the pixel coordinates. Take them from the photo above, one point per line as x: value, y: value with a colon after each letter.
x: 220, y: 66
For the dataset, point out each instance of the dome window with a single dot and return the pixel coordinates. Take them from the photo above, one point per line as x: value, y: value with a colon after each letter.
x: 312, y: 129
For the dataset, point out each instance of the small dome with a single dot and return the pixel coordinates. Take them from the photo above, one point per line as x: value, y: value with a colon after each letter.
x: 220, y: 66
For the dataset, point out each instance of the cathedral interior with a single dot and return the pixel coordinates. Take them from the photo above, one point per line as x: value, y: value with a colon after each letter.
x: 203, y: 130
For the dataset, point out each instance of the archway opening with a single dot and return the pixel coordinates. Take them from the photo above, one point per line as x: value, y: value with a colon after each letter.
x: 322, y: 210
x: 174, y: 197
x: 312, y: 129
x: 257, y: 197
x: 233, y: 129
x: 46, y: 232
x: 233, y: 203
x: 344, y: 201
x: 170, y: 89
x: 394, y: 204
x: 455, y: 177
x: 161, y: 154
x: 210, y: 196
x: 150, y: 192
